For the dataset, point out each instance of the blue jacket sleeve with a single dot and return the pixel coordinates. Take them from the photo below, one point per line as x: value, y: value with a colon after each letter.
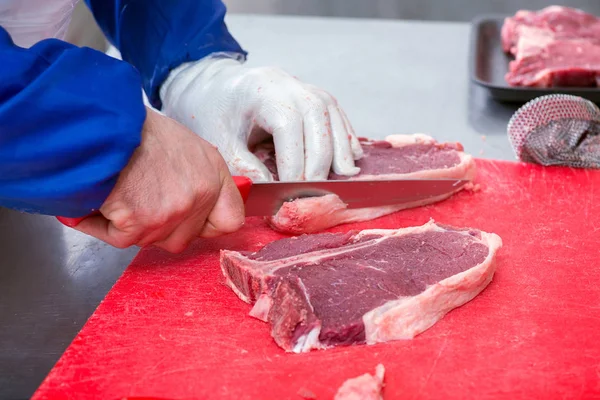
x: 156, y: 36
x: 70, y: 119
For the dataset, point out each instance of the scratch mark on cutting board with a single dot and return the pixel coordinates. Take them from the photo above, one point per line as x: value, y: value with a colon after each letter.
x: 145, y: 375
x: 162, y: 374
x: 437, y: 358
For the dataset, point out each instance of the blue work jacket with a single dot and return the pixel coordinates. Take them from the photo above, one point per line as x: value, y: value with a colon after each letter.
x: 71, y: 117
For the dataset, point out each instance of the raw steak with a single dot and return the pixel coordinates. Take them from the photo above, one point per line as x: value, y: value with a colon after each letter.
x: 399, y: 156
x: 555, y: 47
x: 564, y: 22
x: 542, y: 60
x: 364, y: 387
x: 322, y: 290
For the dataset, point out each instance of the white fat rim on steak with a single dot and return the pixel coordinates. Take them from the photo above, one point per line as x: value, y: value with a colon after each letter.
x: 407, y: 317
x: 465, y: 169
x: 401, y: 140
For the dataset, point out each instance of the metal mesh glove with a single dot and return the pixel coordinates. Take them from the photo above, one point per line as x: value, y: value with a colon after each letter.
x: 557, y: 130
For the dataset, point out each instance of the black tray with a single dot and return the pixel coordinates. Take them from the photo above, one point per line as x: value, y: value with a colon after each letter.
x: 489, y: 64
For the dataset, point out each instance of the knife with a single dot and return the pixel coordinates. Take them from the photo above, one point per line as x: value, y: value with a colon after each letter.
x: 265, y: 198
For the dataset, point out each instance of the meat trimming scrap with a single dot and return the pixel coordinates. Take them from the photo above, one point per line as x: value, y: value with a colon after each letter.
x: 330, y: 289
x: 396, y: 157
x: 363, y: 387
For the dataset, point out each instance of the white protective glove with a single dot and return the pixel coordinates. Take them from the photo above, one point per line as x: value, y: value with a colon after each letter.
x: 234, y: 107
x: 29, y: 21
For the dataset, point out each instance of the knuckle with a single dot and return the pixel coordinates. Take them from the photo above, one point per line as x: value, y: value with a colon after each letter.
x: 232, y: 224
x: 324, y: 96
x: 120, y: 215
x: 207, y: 195
x: 284, y: 118
x: 174, y: 247
x: 183, y: 204
x: 312, y: 98
x: 123, y: 242
x: 328, y: 98
x: 155, y: 220
x: 176, y: 207
x: 262, y: 74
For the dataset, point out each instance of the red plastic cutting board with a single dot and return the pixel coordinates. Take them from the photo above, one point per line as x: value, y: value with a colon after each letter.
x: 170, y: 328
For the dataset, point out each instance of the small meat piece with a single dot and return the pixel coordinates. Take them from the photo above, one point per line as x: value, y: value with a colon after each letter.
x: 364, y: 387
x: 399, y: 156
x: 306, y: 394
x: 330, y: 289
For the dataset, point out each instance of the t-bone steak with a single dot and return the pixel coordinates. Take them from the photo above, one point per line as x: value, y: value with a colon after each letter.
x: 328, y: 289
x: 556, y: 46
x: 398, y: 156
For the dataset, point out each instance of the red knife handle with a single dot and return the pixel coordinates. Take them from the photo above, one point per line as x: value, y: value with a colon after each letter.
x: 243, y: 184
x: 73, y: 222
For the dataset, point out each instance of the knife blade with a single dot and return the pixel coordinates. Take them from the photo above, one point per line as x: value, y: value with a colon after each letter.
x: 265, y: 198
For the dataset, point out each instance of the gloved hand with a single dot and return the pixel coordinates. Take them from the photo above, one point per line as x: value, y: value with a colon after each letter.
x: 29, y: 21
x: 234, y: 107
x: 175, y: 188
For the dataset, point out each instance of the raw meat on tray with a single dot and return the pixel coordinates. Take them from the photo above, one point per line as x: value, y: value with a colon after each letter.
x: 399, y: 156
x: 554, y: 47
x: 562, y: 22
x: 330, y: 289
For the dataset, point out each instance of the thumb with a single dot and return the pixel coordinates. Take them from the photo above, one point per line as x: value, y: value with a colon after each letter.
x: 243, y: 163
x: 227, y: 215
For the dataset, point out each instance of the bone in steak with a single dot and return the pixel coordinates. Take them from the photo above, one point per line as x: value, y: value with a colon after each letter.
x: 556, y: 46
x: 399, y: 156
x: 328, y: 289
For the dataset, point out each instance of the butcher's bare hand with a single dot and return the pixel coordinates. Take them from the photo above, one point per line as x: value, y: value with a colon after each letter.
x: 175, y: 188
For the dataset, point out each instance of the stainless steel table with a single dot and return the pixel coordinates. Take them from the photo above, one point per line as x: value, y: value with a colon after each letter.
x: 423, y: 10
x: 391, y: 77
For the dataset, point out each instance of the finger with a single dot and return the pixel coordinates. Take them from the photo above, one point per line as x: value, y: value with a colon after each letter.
x: 343, y: 157
x: 190, y: 226
x: 224, y: 216
x: 181, y: 237
x: 318, y: 145
x: 242, y: 162
x: 159, y: 234
x: 228, y: 213
x: 286, y: 127
x: 104, y: 230
x: 188, y: 230
x: 357, y: 149
x: 330, y: 100
x: 209, y: 231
